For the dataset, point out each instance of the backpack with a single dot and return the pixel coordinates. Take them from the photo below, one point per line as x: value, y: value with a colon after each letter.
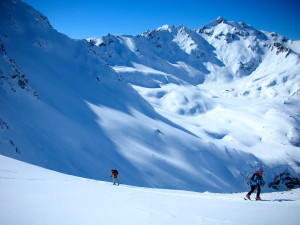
x: 258, y: 180
x: 252, y: 178
x: 115, y: 173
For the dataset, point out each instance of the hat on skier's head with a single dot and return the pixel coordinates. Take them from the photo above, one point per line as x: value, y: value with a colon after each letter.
x: 260, y: 172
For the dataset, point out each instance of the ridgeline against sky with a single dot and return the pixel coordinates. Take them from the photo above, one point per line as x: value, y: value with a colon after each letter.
x: 93, y: 18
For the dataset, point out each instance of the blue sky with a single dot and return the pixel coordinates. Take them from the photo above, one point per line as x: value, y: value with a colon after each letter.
x: 96, y: 18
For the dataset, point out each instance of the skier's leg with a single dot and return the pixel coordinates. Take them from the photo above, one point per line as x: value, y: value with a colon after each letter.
x: 252, y: 189
x: 258, y: 191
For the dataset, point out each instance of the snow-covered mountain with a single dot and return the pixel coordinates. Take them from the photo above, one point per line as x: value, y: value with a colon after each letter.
x: 171, y: 108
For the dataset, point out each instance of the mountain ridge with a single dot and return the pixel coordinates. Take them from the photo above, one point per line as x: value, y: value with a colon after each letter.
x: 203, y: 46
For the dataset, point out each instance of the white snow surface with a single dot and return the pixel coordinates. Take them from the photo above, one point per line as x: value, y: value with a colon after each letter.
x: 33, y: 195
x: 173, y: 108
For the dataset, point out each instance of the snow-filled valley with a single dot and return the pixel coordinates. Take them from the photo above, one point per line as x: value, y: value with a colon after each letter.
x: 173, y: 108
x: 35, y: 196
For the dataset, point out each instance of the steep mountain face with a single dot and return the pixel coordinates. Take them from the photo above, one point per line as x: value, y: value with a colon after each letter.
x: 50, y: 85
x: 173, y: 107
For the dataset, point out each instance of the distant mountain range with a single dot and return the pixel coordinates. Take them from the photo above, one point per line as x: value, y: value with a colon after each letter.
x: 222, y: 50
x: 170, y: 108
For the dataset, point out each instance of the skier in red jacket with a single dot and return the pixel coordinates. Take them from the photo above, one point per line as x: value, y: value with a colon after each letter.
x: 114, y: 175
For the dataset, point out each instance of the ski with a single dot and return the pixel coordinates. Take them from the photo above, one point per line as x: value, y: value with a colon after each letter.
x: 253, y: 199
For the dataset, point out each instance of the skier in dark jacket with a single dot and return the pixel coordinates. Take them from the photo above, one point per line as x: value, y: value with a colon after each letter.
x: 257, y: 180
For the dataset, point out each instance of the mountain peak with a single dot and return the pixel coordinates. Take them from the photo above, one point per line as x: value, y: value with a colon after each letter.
x: 165, y: 27
x: 221, y: 20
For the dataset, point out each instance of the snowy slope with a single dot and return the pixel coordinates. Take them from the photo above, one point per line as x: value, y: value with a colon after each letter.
x: 172, y: 108
x: 32, y: 195
x: 76, y: 115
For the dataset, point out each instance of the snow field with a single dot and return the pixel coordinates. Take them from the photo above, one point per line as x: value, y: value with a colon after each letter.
x: 33, y: 195
x: 214, y: 113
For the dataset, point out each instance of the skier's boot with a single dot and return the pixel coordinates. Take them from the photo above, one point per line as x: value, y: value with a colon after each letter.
x: 257, y: 198
x: 248, y: 196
